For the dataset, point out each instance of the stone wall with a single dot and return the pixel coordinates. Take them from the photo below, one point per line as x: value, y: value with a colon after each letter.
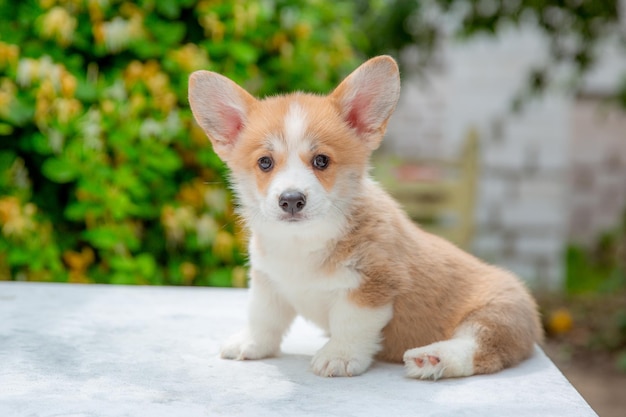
x: 597, y: 174
x: 532, y: 162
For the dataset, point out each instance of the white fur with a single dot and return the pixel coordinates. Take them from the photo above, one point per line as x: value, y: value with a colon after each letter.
x: 295, y: 125
x: 269, y: 316
x: 291, y: 283
x: 287, y: 252
x: 453, y: 357
x: 355, y: 335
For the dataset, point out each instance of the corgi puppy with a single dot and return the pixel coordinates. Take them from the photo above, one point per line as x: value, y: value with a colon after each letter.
x: 327, y: 243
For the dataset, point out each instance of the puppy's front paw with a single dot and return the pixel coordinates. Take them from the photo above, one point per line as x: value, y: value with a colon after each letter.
x: 243, y: 347
x: 335, y: 360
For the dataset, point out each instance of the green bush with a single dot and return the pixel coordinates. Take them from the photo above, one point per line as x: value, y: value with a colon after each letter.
x: 104, y: 177
x: 601, y: 267
x: 596, y: 283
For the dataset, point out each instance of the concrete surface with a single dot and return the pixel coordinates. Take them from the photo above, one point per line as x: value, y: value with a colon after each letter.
x: 72, y: 350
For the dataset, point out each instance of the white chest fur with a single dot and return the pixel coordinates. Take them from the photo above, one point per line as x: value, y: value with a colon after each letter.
x: 293, y: 265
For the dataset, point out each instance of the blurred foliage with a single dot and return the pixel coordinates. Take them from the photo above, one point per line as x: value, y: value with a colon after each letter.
x: 575, y: 31
x: 601, y: 267
x: 596, y: 287
x: 103, y: 175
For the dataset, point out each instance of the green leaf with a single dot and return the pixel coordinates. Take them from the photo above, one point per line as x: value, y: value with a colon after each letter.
x: 7, y: 158
x: 244, y: 52
x: 59, y: 170
x: 5, y: 129
x: 123, y: 278
x: 168, y: 8
x: 221, y: 278
x: 123, y: 263
x: 20, y: 113
x: 145, y: 264
x: 167, y: 33
x: 86, y: 91
x: 19, y: 257
x: 102, y: 238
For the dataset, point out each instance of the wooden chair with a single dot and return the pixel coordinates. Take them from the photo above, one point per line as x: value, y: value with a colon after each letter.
x: 439, y: 195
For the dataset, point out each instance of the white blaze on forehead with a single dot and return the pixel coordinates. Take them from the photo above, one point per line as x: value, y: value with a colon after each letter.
x: 295, y: 125
x: 293, y: 174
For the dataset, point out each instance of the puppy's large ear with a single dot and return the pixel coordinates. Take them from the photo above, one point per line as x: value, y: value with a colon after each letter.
x: 368, y: 97
x: 220, y: 107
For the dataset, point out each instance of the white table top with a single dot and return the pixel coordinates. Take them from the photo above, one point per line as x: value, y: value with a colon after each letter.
x: 91, y: 350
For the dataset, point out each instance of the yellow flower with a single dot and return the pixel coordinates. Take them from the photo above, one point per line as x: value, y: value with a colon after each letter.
x: 46, y: 4
x: 128, y: 9
x: 50, y: 71
x: 278, y: 40
x: 108, y: 106
x: 150, y: 69
x: 189, y: 272
x: 99, y: 33
x: 223, y: 245
x: 176, y: 222
x: 198, y: 136
x: 7, y: 93
x: 167, y: 102
x: 206, y: 229
x: 116, y: 34
x: 119, y: 32
x: 79, y: 261
x: 68, y: 84
x: 560, y: 321
x: 192, y: 193
x: 9, y: 54
x: 133, y: 73
x: 245, y: 17
x: 46, y: 90
x: 157, y: 83
x: 16, y: 220
x: 27, y: 71
x: 302, y: 30
x: 239, y: 277
x: 42, y: 110
x: 67, y: 108
x: 217, y: 199
x: 59, y: 25
x: 9, y: 208
x: 138, y: 103
x: 213, y: 27
x: 95, y: 11
x: 78, y: 277
x: 190, y: 57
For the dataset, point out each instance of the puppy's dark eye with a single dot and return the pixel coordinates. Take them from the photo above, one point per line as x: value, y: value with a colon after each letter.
x: 321, y: 162
x: 265, y: 163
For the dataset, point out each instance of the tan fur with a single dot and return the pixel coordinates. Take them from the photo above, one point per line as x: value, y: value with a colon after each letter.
x: 435, y: 288
x: 266, y: 119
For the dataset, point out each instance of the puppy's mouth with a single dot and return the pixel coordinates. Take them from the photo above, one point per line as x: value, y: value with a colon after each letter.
x: 292, y: 218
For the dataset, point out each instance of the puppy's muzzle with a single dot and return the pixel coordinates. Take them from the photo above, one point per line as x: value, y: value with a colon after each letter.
x: 292, y: 201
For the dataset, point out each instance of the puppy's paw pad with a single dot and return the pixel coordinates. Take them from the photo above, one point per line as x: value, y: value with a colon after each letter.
x: 433, y: 360
x: 423, y: 365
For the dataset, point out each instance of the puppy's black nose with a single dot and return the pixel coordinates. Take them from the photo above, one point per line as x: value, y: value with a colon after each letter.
x: 292, y: 201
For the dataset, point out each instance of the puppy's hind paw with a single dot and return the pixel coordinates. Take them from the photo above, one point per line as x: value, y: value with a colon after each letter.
x: 447, y: 359
x: 423, y: 366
